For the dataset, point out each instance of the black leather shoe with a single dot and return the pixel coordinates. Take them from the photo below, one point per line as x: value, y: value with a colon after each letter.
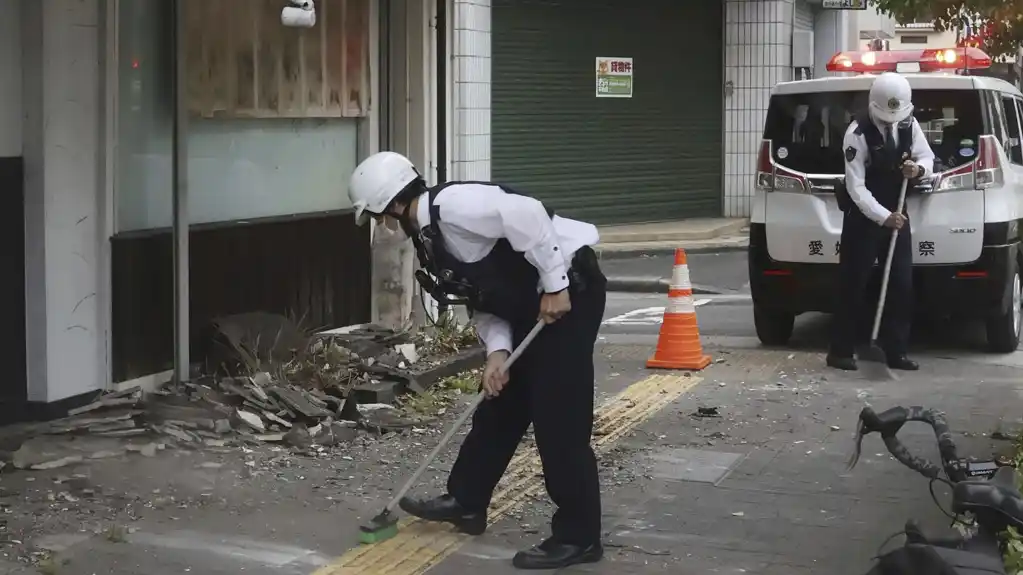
x: 902, y: 362
x: 445, y: 509
x: 845, y: 363
x: 550, y: 555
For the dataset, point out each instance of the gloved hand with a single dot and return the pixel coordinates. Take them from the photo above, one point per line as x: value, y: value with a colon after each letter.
x: 494, y: 378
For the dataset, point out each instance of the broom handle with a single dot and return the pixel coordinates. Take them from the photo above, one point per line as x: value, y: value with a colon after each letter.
x: 463, y: 418
x: 888, y: 268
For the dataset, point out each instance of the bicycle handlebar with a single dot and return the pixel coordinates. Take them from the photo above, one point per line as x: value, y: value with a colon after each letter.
x: 888, y: 423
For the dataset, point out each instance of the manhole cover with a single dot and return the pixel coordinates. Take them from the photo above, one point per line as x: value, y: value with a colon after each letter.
x: 693, y: 464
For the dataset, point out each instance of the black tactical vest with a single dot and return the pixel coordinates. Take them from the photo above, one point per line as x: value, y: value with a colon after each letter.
x: 503, y: 283
x: 884, y: 171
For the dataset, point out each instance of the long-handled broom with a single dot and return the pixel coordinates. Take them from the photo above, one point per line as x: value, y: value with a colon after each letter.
x: 385, y: 525
x: 876, y: 361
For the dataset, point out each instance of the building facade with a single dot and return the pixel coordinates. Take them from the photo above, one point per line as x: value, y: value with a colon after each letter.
x: 680, y: 140
x: 100, y: 177
x: 96, y: 170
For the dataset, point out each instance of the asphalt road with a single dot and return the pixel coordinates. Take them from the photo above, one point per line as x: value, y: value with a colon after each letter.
x: 726, y: 318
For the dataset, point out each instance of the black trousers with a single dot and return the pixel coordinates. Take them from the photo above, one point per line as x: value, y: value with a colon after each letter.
x: 863, y: 243
x: 552, y: 387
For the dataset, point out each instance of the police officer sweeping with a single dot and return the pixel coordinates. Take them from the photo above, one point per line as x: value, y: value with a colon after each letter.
x: 510, y: 261
x: 882, y: 147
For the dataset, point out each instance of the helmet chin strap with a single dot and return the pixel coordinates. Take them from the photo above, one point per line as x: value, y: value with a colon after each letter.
x: 405, y: 221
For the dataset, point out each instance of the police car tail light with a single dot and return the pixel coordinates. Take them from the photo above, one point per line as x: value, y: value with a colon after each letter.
x: 988, y: 166
x: 774, y: 178
x: 910, y: 61
x: 983, y: 172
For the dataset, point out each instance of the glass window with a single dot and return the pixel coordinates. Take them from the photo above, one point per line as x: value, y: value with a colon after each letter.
x: 1012, y: 125
x: 267, y: 136
x: 810, y: 128
x: 913, y: 39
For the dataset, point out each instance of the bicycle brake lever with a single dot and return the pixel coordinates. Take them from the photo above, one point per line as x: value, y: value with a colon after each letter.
x: 888, y: 423
x: 858, y: 446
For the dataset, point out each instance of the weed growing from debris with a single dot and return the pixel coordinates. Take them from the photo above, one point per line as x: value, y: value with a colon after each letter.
x: 447, y: 336
x: 436, y: 400
x: 50, y: 565
x: 465, y: 382
x: 423, y: 404
x: 115, y: 534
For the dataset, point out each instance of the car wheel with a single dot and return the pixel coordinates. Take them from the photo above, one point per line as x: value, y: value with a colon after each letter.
x: 773, y: 327
x: 1003, y: 331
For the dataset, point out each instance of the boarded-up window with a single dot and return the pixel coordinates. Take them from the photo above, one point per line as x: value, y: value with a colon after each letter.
x: 242, y: 62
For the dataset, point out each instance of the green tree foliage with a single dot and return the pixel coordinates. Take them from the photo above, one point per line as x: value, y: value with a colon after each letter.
x: 1000, y: 35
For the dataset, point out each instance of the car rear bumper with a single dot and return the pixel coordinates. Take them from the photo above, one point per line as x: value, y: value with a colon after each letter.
x: 978, y: 288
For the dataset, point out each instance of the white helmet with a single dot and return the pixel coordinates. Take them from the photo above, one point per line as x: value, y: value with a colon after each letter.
x: 891, y: 98
x: 377, y: 181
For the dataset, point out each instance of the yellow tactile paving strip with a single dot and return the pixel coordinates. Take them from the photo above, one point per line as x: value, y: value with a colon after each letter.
x: 420, y: 545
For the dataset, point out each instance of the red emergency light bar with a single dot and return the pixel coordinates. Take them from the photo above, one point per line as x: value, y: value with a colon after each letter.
x: 910, y: 61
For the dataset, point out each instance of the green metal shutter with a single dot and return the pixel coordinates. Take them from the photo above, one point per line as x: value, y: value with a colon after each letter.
x: 653, y: 157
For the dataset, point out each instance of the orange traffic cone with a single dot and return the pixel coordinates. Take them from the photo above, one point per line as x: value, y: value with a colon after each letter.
x: 678, y: 346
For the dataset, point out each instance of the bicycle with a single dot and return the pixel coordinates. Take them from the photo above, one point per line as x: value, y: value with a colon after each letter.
x: 983, y: 489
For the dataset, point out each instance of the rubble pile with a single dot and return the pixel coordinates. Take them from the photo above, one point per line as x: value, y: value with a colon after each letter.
x: 318, y: 394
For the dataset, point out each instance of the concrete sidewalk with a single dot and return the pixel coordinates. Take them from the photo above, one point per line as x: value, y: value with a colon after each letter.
x: 696, y: 236
x: 746, y: 472
x: 752, y: 483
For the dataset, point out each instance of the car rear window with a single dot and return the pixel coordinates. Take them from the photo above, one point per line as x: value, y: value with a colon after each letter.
x: 807, y: 129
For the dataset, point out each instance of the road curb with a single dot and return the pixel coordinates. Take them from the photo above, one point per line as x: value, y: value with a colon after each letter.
x: 618, y: 254
x: 634, y: 284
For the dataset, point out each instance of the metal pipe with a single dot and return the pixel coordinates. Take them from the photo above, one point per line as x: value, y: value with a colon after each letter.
x: 179, y: 184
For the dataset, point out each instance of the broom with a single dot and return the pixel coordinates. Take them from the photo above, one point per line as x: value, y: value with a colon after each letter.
x: 385, y: 525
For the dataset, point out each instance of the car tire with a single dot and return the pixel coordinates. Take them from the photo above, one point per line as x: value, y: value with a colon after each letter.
x: 773, y: 327
x: 1003, y: 331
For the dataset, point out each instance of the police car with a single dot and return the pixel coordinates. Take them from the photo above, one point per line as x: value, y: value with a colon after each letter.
x: 966, y: 228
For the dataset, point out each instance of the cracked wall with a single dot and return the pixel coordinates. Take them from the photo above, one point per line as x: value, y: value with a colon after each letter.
x: 62, y: 142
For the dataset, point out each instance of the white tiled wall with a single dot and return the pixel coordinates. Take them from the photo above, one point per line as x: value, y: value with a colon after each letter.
x: 471, y: 97
x: 758, y: 45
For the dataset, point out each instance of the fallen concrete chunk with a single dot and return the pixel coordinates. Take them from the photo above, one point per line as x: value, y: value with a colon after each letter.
x: 378, y: 392
x: 179, y: 434
x: 62, y: 462
x: 261, y: 380
x: 298, y: 402
x: 147, y: 450
x: 112, y: 426
x: 104, y: 403
x: 408, y: 351
x: 123, y: 432
x: 107, y: 453
x: 251, y: 419
x: 335, y: 434
x: 77, y: 423
x: 276, y: 419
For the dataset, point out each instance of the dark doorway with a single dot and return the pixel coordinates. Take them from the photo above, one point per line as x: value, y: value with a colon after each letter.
x: 14, y: 384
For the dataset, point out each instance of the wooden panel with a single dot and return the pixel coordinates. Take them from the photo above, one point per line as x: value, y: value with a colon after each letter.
x: 242, y: 62
x: 277, y: 266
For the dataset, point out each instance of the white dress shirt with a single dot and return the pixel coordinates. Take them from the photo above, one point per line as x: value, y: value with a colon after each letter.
x: 473, y: 217
x: 856, y: 170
